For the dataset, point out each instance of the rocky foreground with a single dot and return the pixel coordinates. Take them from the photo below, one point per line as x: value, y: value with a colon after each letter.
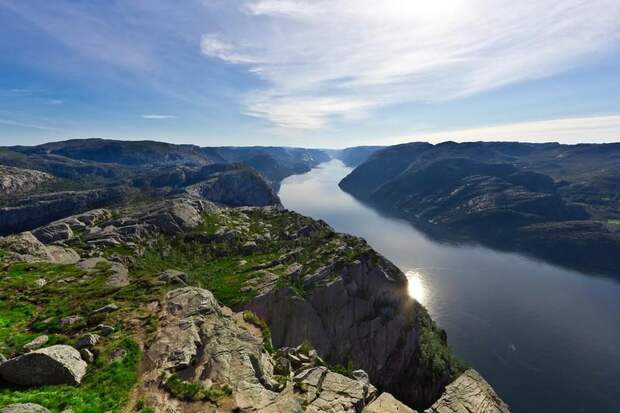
x: 182, y: 305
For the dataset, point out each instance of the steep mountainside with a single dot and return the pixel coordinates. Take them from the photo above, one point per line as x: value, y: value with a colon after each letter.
x: 512, y: 195
x: 124, y: 310
x: 356, y: 155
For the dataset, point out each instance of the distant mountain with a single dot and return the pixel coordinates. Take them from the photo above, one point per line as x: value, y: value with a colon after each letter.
x: 512, y: 195
x: 356, y: 155
x: 128, y: 153
x: 274, y: 163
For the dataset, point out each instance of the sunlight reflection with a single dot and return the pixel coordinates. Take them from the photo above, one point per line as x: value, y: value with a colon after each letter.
x: 416, y: 287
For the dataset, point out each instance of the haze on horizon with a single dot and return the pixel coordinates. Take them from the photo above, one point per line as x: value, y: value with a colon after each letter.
x: 310, y: 73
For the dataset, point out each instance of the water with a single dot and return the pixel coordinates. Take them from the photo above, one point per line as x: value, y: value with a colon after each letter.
x: 546, y: 338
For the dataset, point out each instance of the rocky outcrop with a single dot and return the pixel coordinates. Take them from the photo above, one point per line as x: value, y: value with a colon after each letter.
x: 24, y: 408
x: 234, y: 185
x: 39, y: 210
x: 469, y: 393
x: 58, y: 364
x: 53, y: 233
x: 202, y: 343
x: 25, y: 247
x: 15, y: 180
x: 359, y: 314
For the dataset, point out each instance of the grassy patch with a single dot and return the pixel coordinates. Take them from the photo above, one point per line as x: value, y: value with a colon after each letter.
x: 195, y: 391
x: 105, y: 388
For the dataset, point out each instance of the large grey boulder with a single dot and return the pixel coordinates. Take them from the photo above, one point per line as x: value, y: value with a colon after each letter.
x: 24, y: 408
x: 53, y: 232
x: 58, y: 364
x: 469, y: 393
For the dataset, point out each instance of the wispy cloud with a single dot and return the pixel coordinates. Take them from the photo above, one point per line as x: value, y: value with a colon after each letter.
x: 592, y: 129
x: 18, y: 124
x: 329, y: 60
x: 154, y: 116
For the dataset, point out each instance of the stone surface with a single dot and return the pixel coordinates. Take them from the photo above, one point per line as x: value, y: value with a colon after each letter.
x: 106, y: 309
x: 58, y: 364
x: 118, y: 273
x: 24, y: 408
x: 469, y: 393
x: 36, y: 343
x: 88, y: 341
x: 15, y: 180
x: 386, y: 403
x: 173, y: 277
x: 87, y: 355
x: 53, y: 232
x: 26, y: 247
x: 202, y: 342
x: 362, y: 314
x: 38, y: 210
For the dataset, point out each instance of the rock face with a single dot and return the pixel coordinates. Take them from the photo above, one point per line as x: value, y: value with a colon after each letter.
x: 38, y: 210
x: 58, y: 364
x: 234, y: 185
x: 24, y: 408
x: 15, y: 180
x: 469, y: 393
x: 362, y: 315
x: 204, y: 343
x: 25, y: 247
x: 386, y: 403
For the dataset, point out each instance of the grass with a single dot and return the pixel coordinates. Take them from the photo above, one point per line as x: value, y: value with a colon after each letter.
x: 195, y: 391
x: 252, y: 318
x: 105, y: 388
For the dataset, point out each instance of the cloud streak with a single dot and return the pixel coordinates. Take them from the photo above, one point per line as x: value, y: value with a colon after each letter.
x: 154, y: 116
x: 326, y: 61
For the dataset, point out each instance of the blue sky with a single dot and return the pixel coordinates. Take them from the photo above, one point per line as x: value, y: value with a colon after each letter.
x: 315, y: 73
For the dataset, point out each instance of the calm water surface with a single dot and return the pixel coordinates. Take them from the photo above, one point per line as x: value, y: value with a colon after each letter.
x: 546, y: 338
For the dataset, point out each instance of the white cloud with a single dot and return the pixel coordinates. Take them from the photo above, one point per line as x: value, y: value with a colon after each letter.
x: 153, y: 116
x: 327, y: 60
x: 594, y: 129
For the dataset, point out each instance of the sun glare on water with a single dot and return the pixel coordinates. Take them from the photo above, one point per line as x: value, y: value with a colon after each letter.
x: 416, y: 287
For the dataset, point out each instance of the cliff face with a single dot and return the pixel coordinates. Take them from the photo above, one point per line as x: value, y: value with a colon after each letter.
x: 35, y: 211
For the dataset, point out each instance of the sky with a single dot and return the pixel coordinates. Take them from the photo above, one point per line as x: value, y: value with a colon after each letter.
x: 313, y: 73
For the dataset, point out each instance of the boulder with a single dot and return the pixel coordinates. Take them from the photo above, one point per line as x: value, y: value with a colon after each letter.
x: 386, y: 403
x: 36, y: 343
x: 173, y: 277
x: 88, y: 341
x: 106, y: 309
x: 59, y: 364
x: 71, y: 320
x: 24, y: 408
x: 105, y: 330
x: 469, y: 393
x: 87, y: 355
x: 53, y: 232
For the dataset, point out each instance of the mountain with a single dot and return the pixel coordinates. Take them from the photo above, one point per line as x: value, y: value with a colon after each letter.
x: 544, y: 199
x: 356, y: 155
x: 274, y: 163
